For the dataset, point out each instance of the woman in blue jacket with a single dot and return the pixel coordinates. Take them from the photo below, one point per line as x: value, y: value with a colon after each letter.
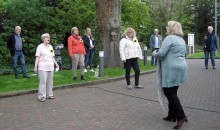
x: 210, y: 46
x: 172, y: 70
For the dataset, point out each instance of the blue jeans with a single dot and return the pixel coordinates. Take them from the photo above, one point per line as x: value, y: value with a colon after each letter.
x: 154, y: 60
x: 212, y: 55
x: 89, y: 58
x: 19, y: 56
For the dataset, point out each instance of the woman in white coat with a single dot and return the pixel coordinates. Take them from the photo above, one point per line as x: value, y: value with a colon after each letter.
x: 44, y: 65
x: 130, y: 52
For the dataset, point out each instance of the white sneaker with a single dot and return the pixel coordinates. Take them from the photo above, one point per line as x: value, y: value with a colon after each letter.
x: 92, y: 70
x: 129, y: 87
x: 85, y: 70
x: 139, y: 86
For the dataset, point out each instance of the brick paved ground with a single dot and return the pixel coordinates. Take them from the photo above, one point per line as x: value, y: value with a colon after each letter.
x: 111, y: 106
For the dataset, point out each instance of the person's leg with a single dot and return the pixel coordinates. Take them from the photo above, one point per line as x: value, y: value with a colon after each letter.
x: 212, y: 54
x: 86, y: 59
x: 75, y: 61
x: 22, y: 63
x: 15, y: 64
x: 91, y: 59
x: 156, y: 58
x: 42, y: 75
x: 152, y: 59
x: 49, y: 85
x: 82, y: 65
x: 136, y: 68
x: 127, y: 65
x: 206, y: 58
x: 175, y: 109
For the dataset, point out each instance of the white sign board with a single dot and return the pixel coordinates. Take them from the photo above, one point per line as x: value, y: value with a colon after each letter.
x: 190, y: 39
x: 191, y: 42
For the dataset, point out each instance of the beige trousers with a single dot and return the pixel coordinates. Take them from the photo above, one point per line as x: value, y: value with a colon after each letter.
x: 45, y: 88
x: 78, y: 59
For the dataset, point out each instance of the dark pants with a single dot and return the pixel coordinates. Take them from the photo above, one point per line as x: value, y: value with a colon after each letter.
x: 19, y: 56
x: 154, y: 60
x: 212, y: 55
x: 134, y: 64
x: 89, y: 58
x: 175, y: 107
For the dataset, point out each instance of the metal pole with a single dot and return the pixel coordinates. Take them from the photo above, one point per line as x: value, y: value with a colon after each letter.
x: 101, y: 63
x: 145, y: 55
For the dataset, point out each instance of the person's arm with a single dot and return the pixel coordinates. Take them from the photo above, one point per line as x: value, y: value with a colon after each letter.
x: 164, y: 48
x: 85, y: 41
x: 151, y: 42
x: 140, y: 52
x: 36, y: 63
x: 122, y: 49
x: 70, y: 50
x: 54, y: 61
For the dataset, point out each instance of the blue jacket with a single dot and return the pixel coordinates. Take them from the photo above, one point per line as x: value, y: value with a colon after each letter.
x: 152, y: 41
x: 210, y: 42
x: 11, y: 44
x: 173, y: 64
x: 86, y: 42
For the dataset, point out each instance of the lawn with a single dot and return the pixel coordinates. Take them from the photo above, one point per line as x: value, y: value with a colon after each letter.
x: 201, y: 55
x: 64, y: 77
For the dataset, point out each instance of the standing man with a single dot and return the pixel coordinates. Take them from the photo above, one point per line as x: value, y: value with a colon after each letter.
x: 210, y: 46
x: 15, y: 45
x: 155, y: 43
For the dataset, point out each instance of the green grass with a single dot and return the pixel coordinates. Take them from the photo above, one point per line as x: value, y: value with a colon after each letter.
x: 10, y: 84
x: 201, y: 55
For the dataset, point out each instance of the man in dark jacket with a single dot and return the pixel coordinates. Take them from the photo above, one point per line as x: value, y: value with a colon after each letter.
x: 155, y: 43
x: 89, y: 44
x: 15, y: 45
x: 210, y: 46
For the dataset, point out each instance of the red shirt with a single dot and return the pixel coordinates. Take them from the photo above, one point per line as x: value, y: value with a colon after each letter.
x: 75, y: 46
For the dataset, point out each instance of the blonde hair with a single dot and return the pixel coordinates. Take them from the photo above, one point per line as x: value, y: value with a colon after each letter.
x: 175, y: 28
x: 43, y: 36
x: 73, y: 28
x: 129, y: 29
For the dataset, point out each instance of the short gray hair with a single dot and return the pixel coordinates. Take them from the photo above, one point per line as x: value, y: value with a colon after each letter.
x: 73, y: 28
x: 43, y: 36
x: 210, y: 28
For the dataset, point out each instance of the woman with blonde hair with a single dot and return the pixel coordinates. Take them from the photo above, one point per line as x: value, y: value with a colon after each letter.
x: 172, y: 71
x: 130, y: 52
x: 44, y: 64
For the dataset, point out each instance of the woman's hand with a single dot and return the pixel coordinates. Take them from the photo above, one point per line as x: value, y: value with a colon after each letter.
x: 35, y: 69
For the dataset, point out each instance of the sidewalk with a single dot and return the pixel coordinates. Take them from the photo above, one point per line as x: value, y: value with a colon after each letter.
x: 110, y: 106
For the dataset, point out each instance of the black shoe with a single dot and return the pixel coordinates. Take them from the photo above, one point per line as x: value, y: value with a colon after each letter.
x: 168, y: 118
x: 26, y: 77
x: 82, y: 78
x: 74, y: 78
x: 206, y: 67
x: 213, y: 67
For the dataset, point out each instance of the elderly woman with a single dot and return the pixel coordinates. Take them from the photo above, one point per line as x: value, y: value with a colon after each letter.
x: 44, y: 64
x: 173, y: 70
x: 210, y: 46
x: 130, y: 52
x: 76, y: 52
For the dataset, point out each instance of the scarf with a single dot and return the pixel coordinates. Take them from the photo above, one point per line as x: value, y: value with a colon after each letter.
x: 76, y: 36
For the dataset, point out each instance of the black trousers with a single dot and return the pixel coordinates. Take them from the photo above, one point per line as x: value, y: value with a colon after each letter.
x: 175, y: 107
x: 134, y: 64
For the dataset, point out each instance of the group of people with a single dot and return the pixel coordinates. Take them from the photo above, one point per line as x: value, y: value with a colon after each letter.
x: 168, y: 55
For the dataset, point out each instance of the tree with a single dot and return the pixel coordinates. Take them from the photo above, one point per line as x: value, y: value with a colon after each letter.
x: 108, y: 23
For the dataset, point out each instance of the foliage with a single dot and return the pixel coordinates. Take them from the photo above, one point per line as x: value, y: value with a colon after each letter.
x: 61, y: 78
x: 135, y: 14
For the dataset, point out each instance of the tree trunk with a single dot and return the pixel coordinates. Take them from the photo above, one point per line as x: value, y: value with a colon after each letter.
x: 108, y: 23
